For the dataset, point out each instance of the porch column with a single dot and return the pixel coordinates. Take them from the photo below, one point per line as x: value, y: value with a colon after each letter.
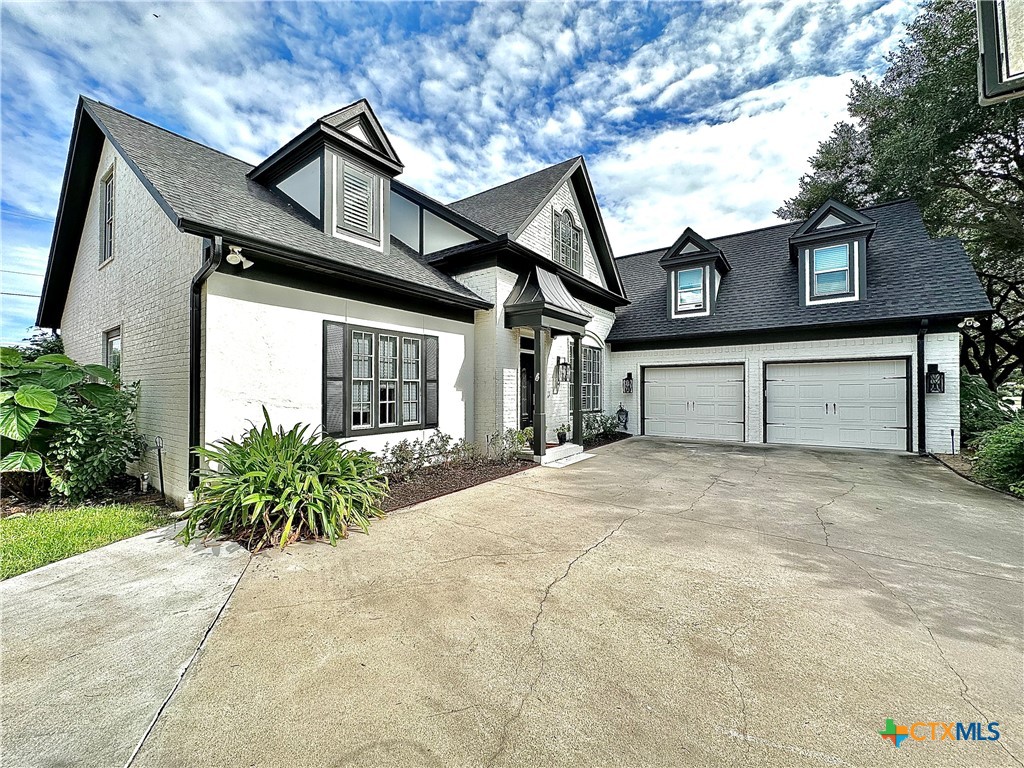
x: 540, y: 393
x: 576, y: 397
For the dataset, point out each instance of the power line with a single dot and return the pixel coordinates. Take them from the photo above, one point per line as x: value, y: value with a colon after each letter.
x: 27, y: 295
x: 16, y: 272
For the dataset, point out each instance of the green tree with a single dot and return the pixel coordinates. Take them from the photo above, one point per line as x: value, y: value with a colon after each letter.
x: 41, y: 342
x: 919, y: 132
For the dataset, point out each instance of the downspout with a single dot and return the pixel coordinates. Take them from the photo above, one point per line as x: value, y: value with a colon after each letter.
x: 921, y: 449
x: 214, y: 251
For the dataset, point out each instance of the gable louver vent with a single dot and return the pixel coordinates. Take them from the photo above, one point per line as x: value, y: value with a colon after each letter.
x: 357, y: 199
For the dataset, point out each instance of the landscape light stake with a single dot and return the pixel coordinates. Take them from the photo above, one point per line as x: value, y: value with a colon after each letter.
x: 159, y: 443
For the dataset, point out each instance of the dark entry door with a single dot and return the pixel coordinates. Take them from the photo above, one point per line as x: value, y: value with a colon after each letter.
x: 526, y: 388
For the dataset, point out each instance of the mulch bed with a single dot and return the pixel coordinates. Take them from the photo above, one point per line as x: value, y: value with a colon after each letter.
x: 437, y: 481
x: 123, y: 489
x: 604, y: 440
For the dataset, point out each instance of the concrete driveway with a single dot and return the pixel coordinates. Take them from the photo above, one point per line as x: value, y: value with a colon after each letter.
x: 659, y: 604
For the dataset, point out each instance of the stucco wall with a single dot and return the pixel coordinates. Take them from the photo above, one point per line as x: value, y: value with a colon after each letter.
x: 144, y: 289
x: 537, y: 234
x: 942, y: 410
x: 264, y: 347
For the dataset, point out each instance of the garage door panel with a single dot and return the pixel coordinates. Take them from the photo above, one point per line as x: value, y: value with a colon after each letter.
x: 704, y: 402
x: 854, y: 404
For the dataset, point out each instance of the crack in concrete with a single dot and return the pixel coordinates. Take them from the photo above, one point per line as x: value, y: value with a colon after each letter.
x: 732, y: 677
x: 829, y: 503
x: 506, y: 728
x: 942, y: 654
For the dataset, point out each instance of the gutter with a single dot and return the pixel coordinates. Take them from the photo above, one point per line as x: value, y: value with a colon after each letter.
x: 214, y: 253
x: 922, y: 332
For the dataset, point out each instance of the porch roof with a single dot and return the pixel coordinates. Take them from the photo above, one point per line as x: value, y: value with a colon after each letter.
x: 540, y: 299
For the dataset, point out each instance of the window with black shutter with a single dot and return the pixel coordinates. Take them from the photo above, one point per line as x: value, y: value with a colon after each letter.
x: 378, y: 381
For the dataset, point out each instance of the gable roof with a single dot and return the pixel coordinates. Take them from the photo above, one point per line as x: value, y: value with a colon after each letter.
x: 909, y: 276
x: 692, y: 247
x: 205, y: 192
x: 510, y: 207
x: 507, y: 208
x: 361, y: 114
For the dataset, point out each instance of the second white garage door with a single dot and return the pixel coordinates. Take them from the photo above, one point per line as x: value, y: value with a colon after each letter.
x: 701, y: 401
x: 849, y: 404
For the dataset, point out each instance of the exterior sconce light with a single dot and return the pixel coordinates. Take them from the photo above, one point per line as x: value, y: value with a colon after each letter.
x: 623, y: 416
x: 627, y: 384
x: 235, y: 257
x: 564, y: 370
x: 935, y: 380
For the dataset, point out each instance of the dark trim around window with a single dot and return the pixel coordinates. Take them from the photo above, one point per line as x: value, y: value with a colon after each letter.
x: 337, y: 381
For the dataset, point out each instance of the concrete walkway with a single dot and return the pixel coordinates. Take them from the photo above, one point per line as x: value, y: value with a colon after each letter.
x: 93, y: 646
x: 660, y: 604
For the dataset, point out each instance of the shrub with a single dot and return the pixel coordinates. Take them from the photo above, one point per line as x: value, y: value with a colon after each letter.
x: 407, y: 457
x: 981, y: 409
x: 599, y: 425
x: 1000, y: 458
x: 273, y: 487
x: 74, y: 421
x: 506, y: 446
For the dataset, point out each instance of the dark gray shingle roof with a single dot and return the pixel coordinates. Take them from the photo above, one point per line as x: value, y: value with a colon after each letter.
x: 909, y: 275
x: 505, y: 208
x: 210, y: 188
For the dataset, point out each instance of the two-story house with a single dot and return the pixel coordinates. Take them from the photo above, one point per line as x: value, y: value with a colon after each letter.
x: 320, y: 286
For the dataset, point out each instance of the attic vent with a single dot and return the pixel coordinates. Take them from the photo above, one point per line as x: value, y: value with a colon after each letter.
x: 356, y: 200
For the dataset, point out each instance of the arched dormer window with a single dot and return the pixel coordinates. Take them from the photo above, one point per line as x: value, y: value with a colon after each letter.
x: 565, y: 241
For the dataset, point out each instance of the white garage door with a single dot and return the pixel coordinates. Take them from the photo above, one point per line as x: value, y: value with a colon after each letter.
x: 861, y: 404
x: 702, y: 401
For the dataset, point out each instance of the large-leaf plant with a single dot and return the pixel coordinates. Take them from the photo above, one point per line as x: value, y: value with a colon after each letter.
x: 39, y: 398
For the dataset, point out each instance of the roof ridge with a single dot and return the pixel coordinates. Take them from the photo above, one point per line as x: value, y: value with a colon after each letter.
x: 165, y: 130
x: 517, y: 179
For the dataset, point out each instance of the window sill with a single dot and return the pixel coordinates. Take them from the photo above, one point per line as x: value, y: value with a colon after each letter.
x: 354, y: 432
x: 104, y: 263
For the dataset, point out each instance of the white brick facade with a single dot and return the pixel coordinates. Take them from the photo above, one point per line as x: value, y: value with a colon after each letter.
x: 144, y: 289
x: 264, y: 347
x: 942, y: 411
x: 537, y: 234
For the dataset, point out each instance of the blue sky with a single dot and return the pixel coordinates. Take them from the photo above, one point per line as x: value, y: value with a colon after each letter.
x: 689, y: 114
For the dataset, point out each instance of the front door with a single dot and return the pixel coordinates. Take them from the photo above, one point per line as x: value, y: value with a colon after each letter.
x: 526, y: 389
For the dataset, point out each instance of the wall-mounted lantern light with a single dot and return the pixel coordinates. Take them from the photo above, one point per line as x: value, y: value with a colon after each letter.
x: 563, y: 368
x: 627, y: 384
x: 935, y: 380
x: 623, y: 416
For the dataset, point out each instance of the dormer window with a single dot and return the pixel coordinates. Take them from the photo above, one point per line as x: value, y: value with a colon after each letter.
x: 832, y: 267
x: 830, y: 249
x: 358, y: 200
x: 565, y: 241
x: 690, y: 290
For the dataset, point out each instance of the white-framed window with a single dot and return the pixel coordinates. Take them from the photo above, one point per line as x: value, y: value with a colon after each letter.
x: 107, y: 217
x: 591, y: 396
x: 387, y: 381
x: 689, y: 293
x: 362, y: 380
x: 112, y: 349
x: 831, y: 270
x: 566, y: 239
x: 358, y: 200
x: 411, y: 381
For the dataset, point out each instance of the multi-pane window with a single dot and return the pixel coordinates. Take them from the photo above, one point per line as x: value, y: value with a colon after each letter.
x: 831, y: 270
x: 378, y: 380
x: 112, y: 349
x: 565, y: 241
x: 358, y: 199
x: 410, y: 381
x: 362, y: 379
x: 690, y: 289
x: 387, y: 382
x: 591, y: 379
x: 107, y: 221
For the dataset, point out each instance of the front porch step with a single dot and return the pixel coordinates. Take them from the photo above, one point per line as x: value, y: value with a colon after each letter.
x: 557, y: 453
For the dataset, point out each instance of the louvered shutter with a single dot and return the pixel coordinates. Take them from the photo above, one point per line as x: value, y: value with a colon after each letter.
x: 430, y: 386
x: 356, y: 199
x: 335, y: 414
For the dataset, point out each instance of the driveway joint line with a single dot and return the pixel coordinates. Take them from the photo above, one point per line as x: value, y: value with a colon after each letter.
x: 188, y: 666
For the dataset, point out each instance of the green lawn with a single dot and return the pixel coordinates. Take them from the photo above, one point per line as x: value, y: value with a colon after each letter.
x: 46, y: 537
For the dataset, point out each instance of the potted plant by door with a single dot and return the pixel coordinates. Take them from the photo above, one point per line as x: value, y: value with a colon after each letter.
x: 563, y: 431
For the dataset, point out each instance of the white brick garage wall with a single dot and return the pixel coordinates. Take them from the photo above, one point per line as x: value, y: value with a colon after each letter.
x: 145, y: 290
x: 942, y: 410
x: 264, y: 347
